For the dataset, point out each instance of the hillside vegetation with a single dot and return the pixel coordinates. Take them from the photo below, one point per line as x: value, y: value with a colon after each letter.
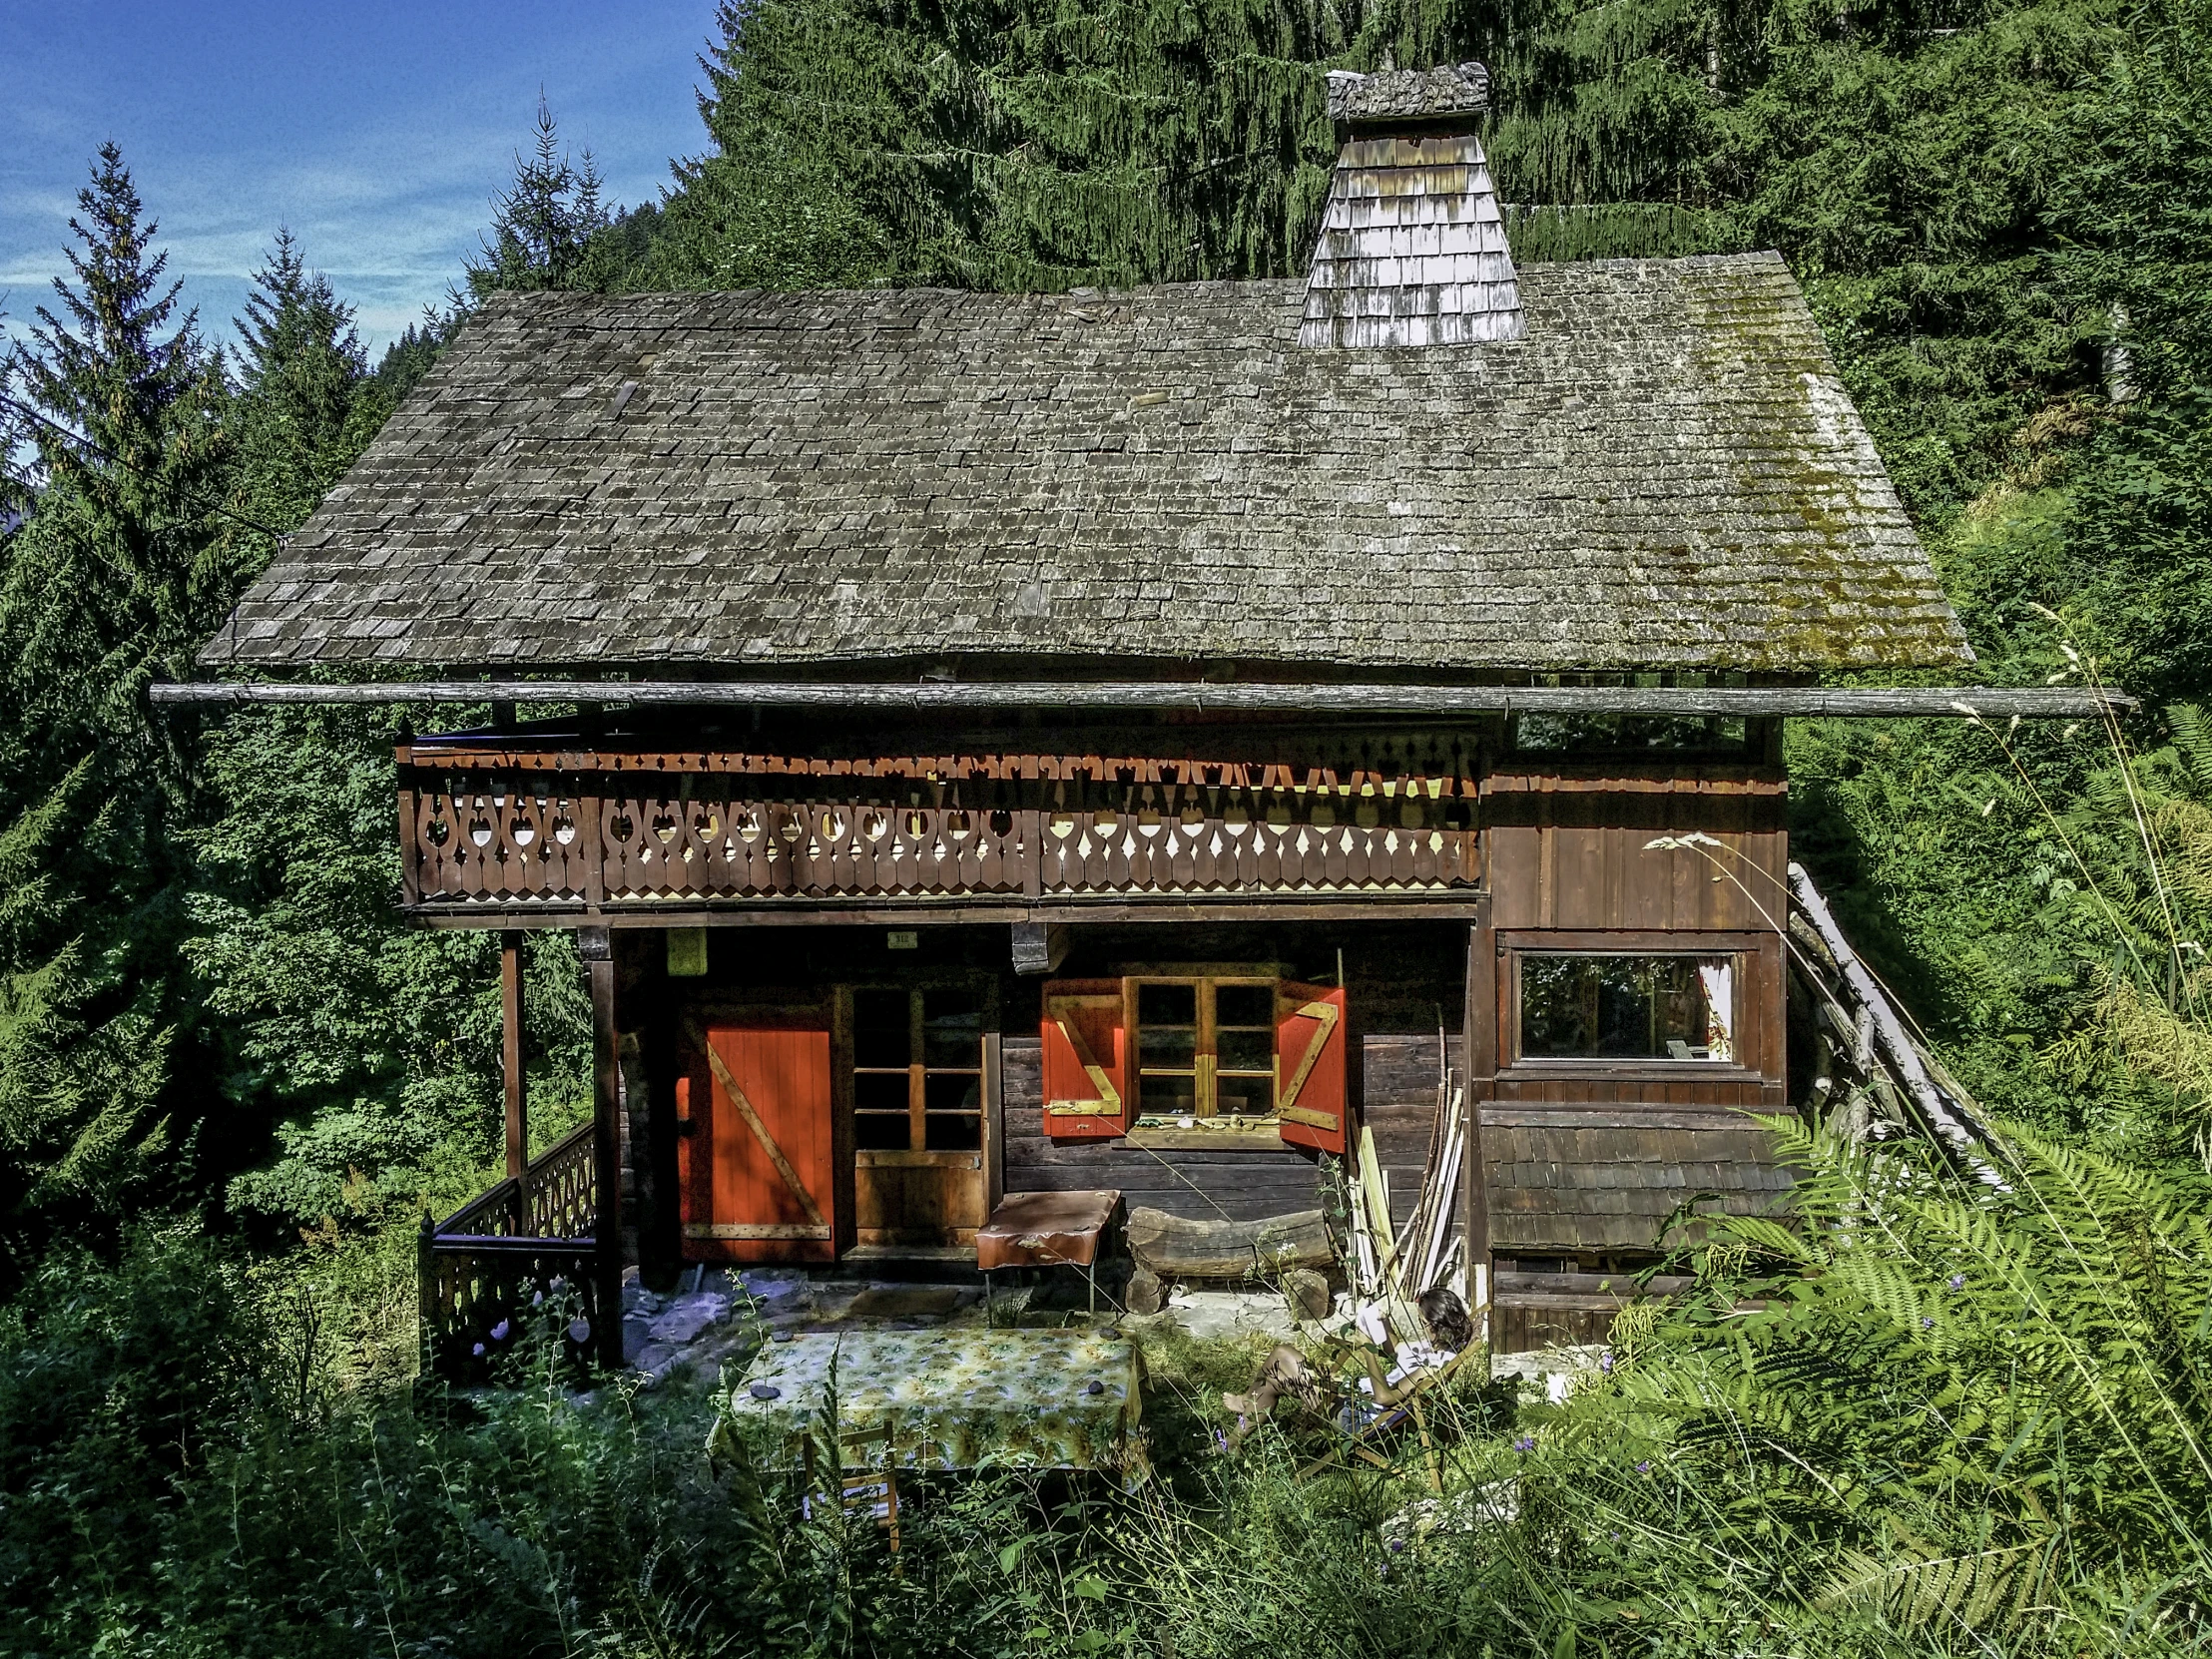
x: 1971, y: 1416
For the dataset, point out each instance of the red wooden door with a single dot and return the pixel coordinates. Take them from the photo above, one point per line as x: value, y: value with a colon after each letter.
x: 755, y: 1167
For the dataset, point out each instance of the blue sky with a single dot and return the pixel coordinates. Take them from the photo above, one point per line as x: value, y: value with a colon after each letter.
x: 378, y: 130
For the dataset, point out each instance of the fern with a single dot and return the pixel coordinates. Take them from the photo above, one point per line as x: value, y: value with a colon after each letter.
x: 1922, y: 1401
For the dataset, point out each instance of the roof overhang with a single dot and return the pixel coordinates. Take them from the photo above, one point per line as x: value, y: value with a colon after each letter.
x: 968, y: 696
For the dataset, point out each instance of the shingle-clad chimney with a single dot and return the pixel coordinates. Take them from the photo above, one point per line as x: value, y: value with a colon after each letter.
x: 1411, y: 248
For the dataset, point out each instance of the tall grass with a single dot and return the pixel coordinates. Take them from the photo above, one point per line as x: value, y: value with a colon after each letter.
x: 1916, y: 1415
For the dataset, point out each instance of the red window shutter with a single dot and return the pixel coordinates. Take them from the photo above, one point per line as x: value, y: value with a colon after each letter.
x: 1086, y: 1065
x: 1309, y: 1065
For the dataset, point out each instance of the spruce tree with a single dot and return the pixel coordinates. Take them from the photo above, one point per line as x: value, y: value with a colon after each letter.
x: 300, y: 383
x: 115, y: 577
x: 544, y: 223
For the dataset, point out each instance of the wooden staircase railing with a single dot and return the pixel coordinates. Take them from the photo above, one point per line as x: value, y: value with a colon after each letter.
x: 521, y: 1252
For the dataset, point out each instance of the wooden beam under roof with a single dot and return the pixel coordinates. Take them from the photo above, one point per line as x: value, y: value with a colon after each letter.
x: 968, y: 696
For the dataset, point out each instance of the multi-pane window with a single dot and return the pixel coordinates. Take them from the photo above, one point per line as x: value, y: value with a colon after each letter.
x: 917, y: 1071
x: 1633, y: 1007
x: 1205, y: 1047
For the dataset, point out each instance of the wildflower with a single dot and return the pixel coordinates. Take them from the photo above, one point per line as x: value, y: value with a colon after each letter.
x: 1527, y: 1442
x: 1928, y: 1324
x: 1605, y: 1362
x: 538, y: 1300
x: 499, y: 1332
x: 478, y: 1350
x: 1644, y: 1468
x: 1958, y: 1281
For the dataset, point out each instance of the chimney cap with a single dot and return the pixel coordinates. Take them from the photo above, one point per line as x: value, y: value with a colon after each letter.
x: 1398, y: 95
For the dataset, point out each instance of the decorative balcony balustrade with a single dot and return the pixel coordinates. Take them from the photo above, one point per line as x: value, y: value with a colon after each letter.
x: 598, y: 840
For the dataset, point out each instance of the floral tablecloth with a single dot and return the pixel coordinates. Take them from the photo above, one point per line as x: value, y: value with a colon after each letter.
x: 955, y: 1398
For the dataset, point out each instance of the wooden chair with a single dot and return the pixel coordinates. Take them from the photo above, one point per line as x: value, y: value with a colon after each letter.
x: 1361, y: 1442
x: 870, y: 1490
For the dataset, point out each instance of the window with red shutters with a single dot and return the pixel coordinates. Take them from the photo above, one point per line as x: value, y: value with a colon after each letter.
x: 1310, y: 1082
x: 1086, y: 1055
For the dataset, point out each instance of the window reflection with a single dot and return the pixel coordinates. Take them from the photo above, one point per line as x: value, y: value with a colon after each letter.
x: 1627, y: 1007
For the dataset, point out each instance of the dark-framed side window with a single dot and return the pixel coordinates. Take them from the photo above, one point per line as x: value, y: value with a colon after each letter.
x: 1587, y: 1006
x: 1653, y: 1002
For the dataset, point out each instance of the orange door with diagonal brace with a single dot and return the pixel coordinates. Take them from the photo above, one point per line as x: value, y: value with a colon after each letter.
x: 755, y: 1168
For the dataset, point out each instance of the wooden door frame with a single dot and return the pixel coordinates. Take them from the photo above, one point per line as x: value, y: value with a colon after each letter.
x: 845, y: 1149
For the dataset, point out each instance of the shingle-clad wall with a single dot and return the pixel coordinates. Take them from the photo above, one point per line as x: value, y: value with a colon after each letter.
x: 1664, y: 473
x: 1412, y: 249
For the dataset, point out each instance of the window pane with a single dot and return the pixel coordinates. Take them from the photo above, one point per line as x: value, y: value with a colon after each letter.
x: 1249, y: 1097
x: 951, y: 1027
x: 952, y: 1091
x: 880, y: 1091
x: 881, y: 1036
x: 883, y: 1131
x: 1244, y: 1005
x: 1173, y: 1097
x: 1167, y: 1046
x: 954, y: 1132
x: 1627, y: 1007
x: 1245, y: 1050
x: 1167, y: 1004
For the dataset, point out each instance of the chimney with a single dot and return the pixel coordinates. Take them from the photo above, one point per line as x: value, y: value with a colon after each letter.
x: 1411, y: 248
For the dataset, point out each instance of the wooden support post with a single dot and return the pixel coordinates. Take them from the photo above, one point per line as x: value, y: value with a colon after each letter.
x: 510, y: 1053
x: 1478, y: 1045
x: 597, y: 950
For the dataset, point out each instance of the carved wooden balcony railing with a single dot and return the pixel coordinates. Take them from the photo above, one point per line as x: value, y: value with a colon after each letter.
x: 504, y: 1258
x: 598, y: 840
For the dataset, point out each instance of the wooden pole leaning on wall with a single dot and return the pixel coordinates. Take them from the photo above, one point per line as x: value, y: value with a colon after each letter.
x: 595, y: 946
x: 510, y: 1054
x: 1479, y: 1051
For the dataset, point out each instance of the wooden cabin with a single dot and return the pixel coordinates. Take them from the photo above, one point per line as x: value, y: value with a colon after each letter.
x: 1013, y: 742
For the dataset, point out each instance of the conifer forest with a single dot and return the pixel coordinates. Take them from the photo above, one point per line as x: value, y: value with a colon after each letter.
x: 1966, y: 1415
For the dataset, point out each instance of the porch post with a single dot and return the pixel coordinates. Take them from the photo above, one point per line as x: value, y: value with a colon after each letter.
x: 510, y: 1052
x: 597, y: 950
x: 1478, y: 1047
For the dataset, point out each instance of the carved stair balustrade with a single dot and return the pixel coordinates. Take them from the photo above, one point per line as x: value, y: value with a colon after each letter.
x: 497, y: 1260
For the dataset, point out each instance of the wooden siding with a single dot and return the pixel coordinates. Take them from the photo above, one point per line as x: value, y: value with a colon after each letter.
x: 1569, y: 847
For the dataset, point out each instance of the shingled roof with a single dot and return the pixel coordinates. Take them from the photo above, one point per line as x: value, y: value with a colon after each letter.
x: 1664, y: 473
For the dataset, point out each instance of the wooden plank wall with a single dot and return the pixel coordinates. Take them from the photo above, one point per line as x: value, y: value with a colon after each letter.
x: 1569, y: 847
x: 1399, y: 1078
